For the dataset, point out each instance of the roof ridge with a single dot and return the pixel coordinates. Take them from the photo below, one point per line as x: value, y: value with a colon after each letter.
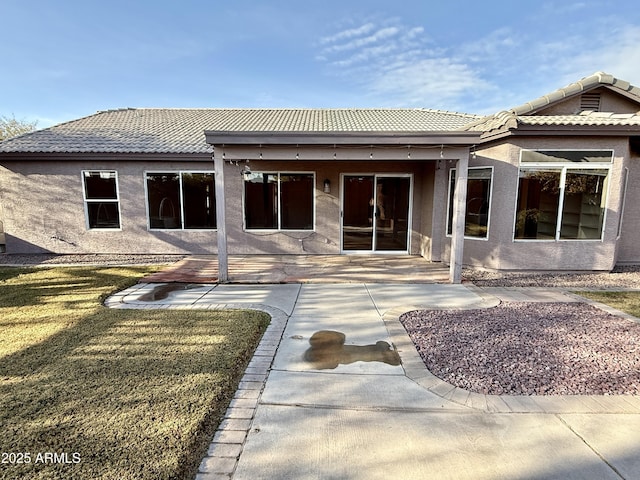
x: 285, y: 109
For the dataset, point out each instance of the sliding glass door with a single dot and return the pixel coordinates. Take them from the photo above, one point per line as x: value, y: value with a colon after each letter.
x: 375, y: 213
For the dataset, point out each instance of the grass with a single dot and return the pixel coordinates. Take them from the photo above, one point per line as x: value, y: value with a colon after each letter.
x: 135, y: 394
x: 628, y: 302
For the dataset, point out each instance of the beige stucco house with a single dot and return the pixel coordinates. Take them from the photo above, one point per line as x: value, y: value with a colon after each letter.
x: 549, y: 185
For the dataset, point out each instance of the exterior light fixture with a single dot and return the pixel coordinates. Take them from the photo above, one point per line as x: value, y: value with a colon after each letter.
x: 327, y: 186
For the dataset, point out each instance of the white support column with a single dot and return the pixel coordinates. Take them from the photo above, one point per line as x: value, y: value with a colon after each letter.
x: 223, y: 260
x: 459, y: 213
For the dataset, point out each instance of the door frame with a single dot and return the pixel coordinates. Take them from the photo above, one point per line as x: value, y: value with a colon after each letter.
x: 376, y: 176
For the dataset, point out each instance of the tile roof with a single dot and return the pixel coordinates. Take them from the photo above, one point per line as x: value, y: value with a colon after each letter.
x: 595, y: 119
x: 162, y: 130
x: 509, y: 120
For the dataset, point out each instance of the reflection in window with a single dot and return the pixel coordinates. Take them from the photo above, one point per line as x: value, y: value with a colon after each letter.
x: 562, y: 201
x: 583, y: 206
x: 102, y: 206
x: 199, y: 200
x: 276, y: 201
x: 296, y: 201
x: 179, y: 200
x: 537, y: 212
x: 478, y: 201
x: 260, y: 200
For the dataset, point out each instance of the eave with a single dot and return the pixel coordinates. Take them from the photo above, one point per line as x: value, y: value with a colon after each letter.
x: 451, y: 138
x: 567, y: 130
x: 103, y: 156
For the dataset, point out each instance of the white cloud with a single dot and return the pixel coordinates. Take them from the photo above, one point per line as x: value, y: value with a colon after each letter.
x: 394, y: 64
x: 433, y: 83
x: 379, y: 36
x: 495, y: 45
x: 347, y: 34
x: 616, y: 53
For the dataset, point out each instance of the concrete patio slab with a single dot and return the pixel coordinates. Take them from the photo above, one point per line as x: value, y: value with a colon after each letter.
x: 614, y: 437
x: 432, y: 296
x: 281, y: 296
x: 371, y: 419
x: 359, y: 391
x: 311, y: 443
x: 306, y: 269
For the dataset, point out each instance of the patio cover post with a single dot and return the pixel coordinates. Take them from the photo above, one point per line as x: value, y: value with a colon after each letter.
x: 459, y: 213
x: 223, y: 261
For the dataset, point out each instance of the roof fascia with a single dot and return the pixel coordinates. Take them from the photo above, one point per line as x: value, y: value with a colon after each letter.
x: 556, y: 131
x: 578, y: 131
x: 460, y: 138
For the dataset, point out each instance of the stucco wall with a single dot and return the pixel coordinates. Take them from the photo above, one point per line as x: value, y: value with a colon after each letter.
x: 501, y: 252
x: 629, y: 244
x: 325, y: 239
x: 609, y: 102
x: 44, y: 210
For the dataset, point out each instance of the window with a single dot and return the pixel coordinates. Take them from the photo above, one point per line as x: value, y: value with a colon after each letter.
x: 559, y: 200
x: 583, y: 204
x: 476, y: 222
x: 279, y: 201
x: 181, y: 200
x: 101, y: 202
x: 538, y: 201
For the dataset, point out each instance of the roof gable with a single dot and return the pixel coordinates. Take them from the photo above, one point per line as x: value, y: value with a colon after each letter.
x: 618, y: 109
x: 598, y: 81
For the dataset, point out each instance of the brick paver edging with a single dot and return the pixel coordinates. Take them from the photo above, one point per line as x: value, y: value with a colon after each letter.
x: 225, y: 449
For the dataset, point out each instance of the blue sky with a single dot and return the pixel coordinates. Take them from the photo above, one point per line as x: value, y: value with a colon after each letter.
x: 67, y: 59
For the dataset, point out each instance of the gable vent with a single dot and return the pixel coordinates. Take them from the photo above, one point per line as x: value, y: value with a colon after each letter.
x: 590, y: 101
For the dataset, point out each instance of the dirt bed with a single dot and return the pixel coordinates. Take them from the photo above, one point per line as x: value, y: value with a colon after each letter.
x: 87, y: 259
x: 622, y: 277
x: 530, y: 349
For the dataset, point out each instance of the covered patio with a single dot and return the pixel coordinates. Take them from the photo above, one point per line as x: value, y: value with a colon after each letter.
x: 306, y: 269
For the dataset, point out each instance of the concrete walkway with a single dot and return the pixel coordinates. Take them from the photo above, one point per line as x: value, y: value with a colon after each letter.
x: 356, y: 413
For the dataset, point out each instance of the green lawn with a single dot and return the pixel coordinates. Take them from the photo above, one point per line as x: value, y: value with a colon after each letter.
x: 124, y: 394
x: 628, y: 302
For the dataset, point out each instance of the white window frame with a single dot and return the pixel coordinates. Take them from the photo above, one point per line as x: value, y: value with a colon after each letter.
x: 87, y: 201
x: 449, y: 193
x: 180, y: 192
x: 563, y: 168
x: 278, y: 173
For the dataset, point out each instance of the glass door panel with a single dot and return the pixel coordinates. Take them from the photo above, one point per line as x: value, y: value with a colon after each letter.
x: 392, y: 213
x: 357, y: 213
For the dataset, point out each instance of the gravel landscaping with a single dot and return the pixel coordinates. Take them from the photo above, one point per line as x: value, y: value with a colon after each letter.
x: 530, y: 349
x: 622, y: 277
x: 534, y: 348
x: 87, y: 259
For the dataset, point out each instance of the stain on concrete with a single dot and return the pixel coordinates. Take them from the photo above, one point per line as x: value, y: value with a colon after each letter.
x: 328, y: 350
x: 160, y: 292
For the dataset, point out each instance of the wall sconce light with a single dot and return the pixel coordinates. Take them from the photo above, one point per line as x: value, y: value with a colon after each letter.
x: 327, y: 186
